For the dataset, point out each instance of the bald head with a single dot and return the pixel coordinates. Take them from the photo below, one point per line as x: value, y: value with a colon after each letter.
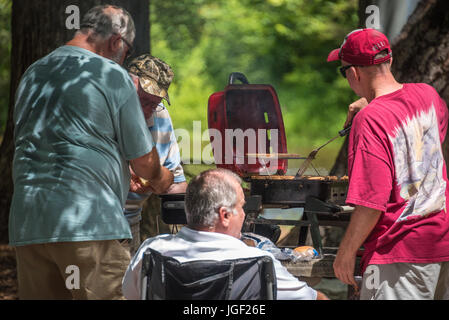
x: 108, y: 31
x: 106, y: 20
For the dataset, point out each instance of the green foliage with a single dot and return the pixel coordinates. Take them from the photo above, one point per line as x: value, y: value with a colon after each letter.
x: 5, y: 50
x: 281, y: 42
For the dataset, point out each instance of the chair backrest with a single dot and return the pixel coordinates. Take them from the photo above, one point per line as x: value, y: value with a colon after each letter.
x: 164, y: 278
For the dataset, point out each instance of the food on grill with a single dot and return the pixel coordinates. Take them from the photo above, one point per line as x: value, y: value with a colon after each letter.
x: 320, y: 178
x: 272, y: 177
x: 278, y: 189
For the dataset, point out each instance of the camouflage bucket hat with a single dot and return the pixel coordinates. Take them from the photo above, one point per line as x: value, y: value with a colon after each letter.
x: 154, y: 75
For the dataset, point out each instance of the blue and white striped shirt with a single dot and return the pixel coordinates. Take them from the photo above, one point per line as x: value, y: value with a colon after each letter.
x: 161, y: 128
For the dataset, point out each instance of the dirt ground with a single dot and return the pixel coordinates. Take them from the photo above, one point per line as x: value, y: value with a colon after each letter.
x: 8, y: 275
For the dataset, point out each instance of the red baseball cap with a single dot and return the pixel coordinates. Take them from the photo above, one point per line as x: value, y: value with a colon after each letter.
x: 361, y: 46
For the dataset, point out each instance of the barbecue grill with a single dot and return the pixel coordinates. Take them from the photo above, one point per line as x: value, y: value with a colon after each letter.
x: 248, y: 137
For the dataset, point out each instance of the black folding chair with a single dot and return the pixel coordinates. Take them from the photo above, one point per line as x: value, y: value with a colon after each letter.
x: 164, y: 278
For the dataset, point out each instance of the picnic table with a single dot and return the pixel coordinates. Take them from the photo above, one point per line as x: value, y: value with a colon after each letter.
x: 314, y: 270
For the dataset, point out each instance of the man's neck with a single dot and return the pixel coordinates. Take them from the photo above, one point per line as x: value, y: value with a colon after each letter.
x: 81, y: 40
x: 215, y: 229
x: 382, y: 85
x: 206, y: 229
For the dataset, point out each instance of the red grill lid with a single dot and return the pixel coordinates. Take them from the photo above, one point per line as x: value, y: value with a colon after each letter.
x: 246, y: 119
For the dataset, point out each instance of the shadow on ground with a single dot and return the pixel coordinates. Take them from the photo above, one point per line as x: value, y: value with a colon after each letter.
x: 8, y: 275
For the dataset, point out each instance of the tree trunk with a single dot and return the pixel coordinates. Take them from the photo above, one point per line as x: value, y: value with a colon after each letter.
x: 340, y: 167
x: 37, y: 28
x: 420, y: 54
x: 424, y: 51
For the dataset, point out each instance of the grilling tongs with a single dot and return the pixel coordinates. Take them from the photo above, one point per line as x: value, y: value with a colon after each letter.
x: 312, y: 154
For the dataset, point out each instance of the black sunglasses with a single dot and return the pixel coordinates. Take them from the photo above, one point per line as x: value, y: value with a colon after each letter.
x: 130, y: 48
x: 344, y: 68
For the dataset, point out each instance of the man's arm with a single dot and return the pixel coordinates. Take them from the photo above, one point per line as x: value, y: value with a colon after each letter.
x: 362, y: 222
x: 355, y: 107
x: 177, y: 188
x: 149, y: 168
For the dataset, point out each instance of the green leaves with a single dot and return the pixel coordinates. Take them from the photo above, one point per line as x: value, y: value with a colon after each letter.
x: 281, y: 42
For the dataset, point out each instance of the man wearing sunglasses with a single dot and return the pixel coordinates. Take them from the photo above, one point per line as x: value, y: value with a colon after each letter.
x: 397, y: 178
x: 78, y: 128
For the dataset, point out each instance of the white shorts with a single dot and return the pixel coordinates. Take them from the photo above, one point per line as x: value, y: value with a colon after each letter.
x: 406, y: 281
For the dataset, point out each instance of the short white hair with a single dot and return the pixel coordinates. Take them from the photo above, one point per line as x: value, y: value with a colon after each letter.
x: 105, y: 22
x: 207, y: 193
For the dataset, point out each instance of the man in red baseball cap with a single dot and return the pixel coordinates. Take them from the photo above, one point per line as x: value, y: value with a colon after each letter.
x: 397, y: 178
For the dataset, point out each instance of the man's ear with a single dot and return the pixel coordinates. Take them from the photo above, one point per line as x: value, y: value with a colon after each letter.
x: 114, y: 42
x: 224, y: 216
x: 354, y: 73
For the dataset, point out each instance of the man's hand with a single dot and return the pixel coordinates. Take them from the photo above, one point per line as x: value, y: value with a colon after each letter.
x: 321, y: 296
x: 355, y: 107
x: 177, y: 188
x: 344, y: 265
x: 149, y: 168
x: 363, y: 220
x: 137, y: 185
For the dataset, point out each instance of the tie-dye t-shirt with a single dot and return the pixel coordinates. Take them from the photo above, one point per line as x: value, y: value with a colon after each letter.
x: 396, y: 165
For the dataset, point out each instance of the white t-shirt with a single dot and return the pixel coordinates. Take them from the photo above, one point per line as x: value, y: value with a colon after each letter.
x: 190, y: 245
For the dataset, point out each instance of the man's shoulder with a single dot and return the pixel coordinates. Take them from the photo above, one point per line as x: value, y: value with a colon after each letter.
x: 369, y: 113
x: 160, y: 237
x: 98, y: 65
x: 161, y: 113
x: 88, y: 62
x: 421, y: 85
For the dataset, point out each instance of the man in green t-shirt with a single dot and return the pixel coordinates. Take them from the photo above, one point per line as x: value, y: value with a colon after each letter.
x: 78, y: 125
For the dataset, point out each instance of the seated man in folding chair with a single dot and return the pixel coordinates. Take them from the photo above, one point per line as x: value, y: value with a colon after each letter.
x: 214, y: 211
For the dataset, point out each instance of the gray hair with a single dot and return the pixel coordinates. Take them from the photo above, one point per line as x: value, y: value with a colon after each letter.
x: 382, y: 54
x: 104, y: 22
x: 207, y: 193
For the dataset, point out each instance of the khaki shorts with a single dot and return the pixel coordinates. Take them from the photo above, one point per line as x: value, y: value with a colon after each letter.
x: 72, y: 270
x: 406, y: 281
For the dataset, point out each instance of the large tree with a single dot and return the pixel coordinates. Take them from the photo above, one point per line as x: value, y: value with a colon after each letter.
x: 37, y: 28
x: 420, y: 54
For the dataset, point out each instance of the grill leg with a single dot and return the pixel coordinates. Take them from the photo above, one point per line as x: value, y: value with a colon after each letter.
x: 303, y: 231
x: 315, y: 233
x: 302, y: 235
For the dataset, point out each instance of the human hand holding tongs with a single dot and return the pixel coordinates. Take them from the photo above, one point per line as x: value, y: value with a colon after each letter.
x: 354, y: 107
x: 312, y: 154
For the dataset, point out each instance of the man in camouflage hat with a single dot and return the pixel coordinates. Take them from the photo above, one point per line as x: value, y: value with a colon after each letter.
x: 152, y: 77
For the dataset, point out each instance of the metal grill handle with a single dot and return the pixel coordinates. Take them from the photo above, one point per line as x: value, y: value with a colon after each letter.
x: 238, y: 76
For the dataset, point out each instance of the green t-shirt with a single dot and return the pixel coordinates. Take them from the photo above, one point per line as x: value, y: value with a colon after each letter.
x: 77, y: 121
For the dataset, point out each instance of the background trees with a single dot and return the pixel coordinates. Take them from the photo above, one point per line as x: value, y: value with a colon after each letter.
x: 37, y: 28
x: 420, y: 54
x: 281, y: 42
